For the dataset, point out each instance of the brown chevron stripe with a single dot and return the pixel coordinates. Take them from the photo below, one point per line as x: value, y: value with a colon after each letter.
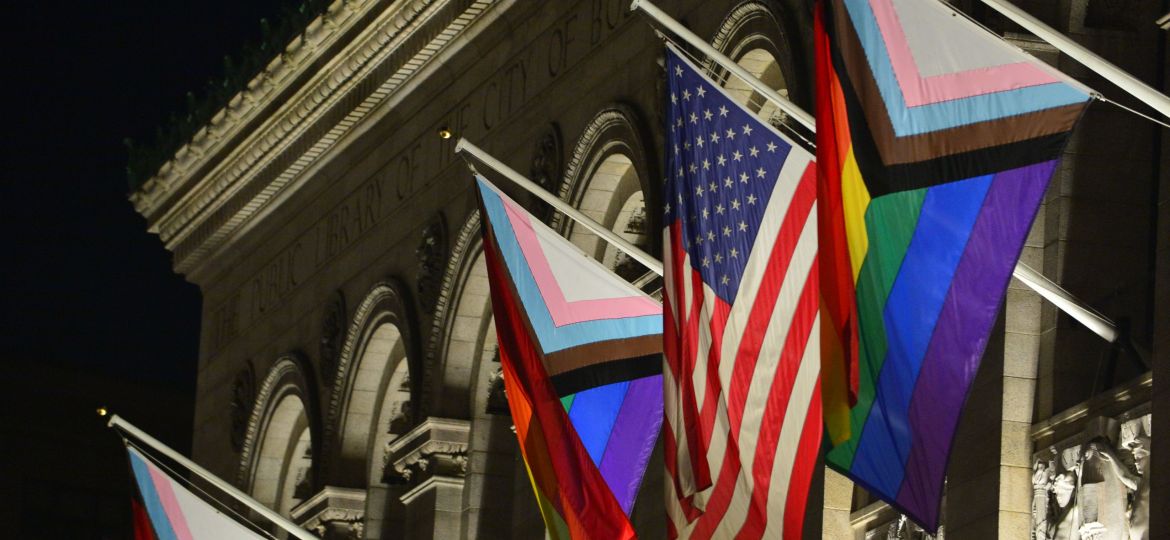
x: 585, y: 355
x: 600, y: 352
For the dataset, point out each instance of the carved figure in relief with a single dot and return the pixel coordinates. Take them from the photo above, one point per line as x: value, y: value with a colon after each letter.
x: 1043, y: 475
x: 1063, y: 514
x: 1135, y: 437
x: 1105, y: 481
x: 1098, y: 490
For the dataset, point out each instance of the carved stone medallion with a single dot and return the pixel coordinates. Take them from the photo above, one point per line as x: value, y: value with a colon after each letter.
x: 332, y: 333
x: 548, y: 158
x: 548, y: 164
x: 243, y: 397
x: 432, y: 260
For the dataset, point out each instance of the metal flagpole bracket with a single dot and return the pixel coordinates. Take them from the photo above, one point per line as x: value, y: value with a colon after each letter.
x: 1043, y: 286
x: 465, y: 148
x: 117, y: 422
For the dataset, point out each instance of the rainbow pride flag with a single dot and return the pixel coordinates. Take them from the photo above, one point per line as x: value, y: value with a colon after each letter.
x: 580, y: 350
x: 935, y: 144
x: 176, y: 513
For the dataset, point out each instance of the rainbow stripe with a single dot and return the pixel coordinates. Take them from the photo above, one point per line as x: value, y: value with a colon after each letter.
x: 936, y: 142
x: 176, y: 513
x: 580, y: 352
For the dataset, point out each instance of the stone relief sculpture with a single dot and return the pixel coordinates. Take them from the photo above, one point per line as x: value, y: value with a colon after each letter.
x: 243, y: 396
x: 902, y: 529
x: 1097, y: 490
x: 432, y: 260
x: 332, y: 333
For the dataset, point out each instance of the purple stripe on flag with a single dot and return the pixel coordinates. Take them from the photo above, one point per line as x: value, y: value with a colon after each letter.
x: 632, y: 440
x: 960, y: 336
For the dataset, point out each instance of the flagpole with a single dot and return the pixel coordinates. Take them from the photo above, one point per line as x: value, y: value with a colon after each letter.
x: 1136, y: 88
x: 1066, y: 302
x: 118, y: 423
x: 652, y: 11
x: 463, y: 146
x: 1043, y: 286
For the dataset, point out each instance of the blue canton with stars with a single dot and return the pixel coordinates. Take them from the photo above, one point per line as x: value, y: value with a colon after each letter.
x: 722, y: 163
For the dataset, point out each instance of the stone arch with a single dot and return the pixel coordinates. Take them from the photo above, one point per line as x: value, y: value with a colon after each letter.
x: 379, y: 351
x: 463, y: 332
x: 610, y: 177
x: 277, y: 462
x: 756, y: 37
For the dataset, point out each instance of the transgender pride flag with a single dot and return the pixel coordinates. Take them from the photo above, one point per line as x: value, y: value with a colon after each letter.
x: 580, y: 350
x: 178, y: 514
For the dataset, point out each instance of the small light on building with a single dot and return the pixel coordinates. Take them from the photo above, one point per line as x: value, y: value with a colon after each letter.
x: 444, y: 133
x: 1163, y: 22
x: 102, y: 411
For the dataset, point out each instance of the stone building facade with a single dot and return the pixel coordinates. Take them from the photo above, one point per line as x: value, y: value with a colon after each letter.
x: 348, y: 375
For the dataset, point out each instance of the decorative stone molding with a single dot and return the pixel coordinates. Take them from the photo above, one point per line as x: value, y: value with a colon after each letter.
x: 386, y: 302
x: 468, y: 245
x: 437, y: 447
x: 432, y: 258
x: 731, y: 38
x: 333, y: 513
x: 332, y: 333
x: 289, y: 68
x: 243, y: 401
x: 548, y: 163
x: 195, y: 210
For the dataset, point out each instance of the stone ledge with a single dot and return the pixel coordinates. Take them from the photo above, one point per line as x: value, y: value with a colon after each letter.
x: 437, y: 447
x: 332, y: 511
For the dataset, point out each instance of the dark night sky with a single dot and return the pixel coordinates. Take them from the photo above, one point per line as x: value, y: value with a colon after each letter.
x: 90, y: 310
x: 84, y: 284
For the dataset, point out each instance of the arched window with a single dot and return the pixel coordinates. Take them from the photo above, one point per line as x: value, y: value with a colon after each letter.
x: 607, y: 180
x: 761, y: 64
x: 277, y: 461
x: 468, y: 386
x: 752, y: 35
x: 286, y: 456
x: 371, y: 402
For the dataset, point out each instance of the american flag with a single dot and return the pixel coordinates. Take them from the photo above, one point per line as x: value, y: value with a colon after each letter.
x: 741, y: 328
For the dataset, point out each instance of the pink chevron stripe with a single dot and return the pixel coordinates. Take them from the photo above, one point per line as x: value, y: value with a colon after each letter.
x: 564, y: 312
x: 918, y: 91
x: 166, y: 495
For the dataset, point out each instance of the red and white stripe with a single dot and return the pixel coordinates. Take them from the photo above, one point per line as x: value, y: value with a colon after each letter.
x: 752, y: 372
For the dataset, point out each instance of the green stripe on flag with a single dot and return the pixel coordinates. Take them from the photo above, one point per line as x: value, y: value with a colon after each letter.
x: 890, y: 221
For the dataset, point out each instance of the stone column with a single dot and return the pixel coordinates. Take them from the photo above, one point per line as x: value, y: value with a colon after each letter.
x: 431, y: 462
x: 838, y: 504
x: 487, y: 495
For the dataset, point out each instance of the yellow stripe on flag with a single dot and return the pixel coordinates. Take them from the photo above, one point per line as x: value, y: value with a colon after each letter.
x: 854, y: 200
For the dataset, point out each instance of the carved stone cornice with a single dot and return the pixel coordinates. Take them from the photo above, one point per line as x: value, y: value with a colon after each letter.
x: 278, y: 76
x: 332, y: 513
x: 254, y: 151
x: 436, y: 448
